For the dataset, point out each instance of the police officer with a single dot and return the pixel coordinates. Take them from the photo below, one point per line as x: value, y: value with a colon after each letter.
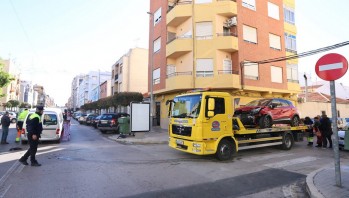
x: 34, y: 128
x: 20, y: 121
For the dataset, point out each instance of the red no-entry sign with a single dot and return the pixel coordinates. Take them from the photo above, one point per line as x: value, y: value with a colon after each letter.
x: 331, y: 66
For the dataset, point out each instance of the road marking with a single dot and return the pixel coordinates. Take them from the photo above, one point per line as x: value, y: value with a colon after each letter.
x: 5, y: 191
x: 331, y: 66
x: 8, y: 173
x: 290, y: 162
x: 16, y: 155
x: 265, y: 157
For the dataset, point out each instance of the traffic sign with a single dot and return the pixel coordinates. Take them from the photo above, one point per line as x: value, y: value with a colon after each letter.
x: 331, y: 66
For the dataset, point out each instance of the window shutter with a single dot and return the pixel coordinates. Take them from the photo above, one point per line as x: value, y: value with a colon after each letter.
x: 250, y: 34
x: 273, y: 11
x: 251, y: 69
x: 249, y: 4
x: 171, y: 69
x: 204, y: 64
x: 157, y: 44
x: 204, y: 29
x: 275, y: 41
x: 276, y: 74
x: 227, y: 65
x: 157, y: 16
x: 156, y: 73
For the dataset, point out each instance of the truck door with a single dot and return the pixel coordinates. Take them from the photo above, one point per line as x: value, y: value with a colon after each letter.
x: 218, y: 124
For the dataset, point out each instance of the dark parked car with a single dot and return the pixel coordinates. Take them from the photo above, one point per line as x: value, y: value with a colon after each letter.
x: 266, y: 112
x: 109, y: 122
x: 89, y: 118
x: 95, y: 121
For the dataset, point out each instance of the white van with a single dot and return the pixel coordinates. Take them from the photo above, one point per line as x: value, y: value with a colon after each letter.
x: 52, y: 124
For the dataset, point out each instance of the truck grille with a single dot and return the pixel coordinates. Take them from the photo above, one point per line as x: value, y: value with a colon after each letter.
x: 181, y: 130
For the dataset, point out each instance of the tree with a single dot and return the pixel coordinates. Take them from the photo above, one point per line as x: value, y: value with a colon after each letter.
x: 5, y: 78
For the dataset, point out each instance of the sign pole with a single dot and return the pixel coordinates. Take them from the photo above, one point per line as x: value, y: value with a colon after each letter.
x: 335, y: 134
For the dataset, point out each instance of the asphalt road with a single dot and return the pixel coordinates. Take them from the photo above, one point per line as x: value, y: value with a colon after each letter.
x: 91, y: 165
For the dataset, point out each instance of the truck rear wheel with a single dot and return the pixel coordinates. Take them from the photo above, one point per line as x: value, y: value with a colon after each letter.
x: 225, y: 150
x: 287, y: 141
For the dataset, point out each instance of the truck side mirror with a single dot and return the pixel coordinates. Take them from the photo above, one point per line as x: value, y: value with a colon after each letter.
x: 211, y: 107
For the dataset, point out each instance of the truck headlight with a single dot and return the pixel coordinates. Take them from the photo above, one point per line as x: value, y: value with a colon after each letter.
x: 197, y: 145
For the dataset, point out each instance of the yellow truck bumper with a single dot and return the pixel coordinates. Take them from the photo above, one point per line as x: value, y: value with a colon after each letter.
x: 197, y: 148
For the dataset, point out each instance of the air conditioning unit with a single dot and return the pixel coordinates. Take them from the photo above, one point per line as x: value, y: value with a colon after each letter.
x: 232, y: 21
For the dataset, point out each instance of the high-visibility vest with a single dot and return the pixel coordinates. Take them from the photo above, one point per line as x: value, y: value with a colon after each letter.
x: 35, y: 115
x: 22, y: 115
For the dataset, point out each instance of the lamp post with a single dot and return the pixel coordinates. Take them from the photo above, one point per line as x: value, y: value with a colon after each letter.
x: 151, y: 16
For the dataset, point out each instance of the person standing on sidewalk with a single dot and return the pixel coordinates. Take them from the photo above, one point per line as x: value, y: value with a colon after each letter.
x: 34, y: 128
x: 5, y: 123
x: 317, y: 132
x: 326, y: 131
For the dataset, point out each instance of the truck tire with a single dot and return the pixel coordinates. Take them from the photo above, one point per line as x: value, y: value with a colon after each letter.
x: 225, y: 150
x: 287, y: 141
x: 265, y: 122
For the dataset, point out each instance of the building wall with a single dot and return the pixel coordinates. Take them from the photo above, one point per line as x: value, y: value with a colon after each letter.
x: 313, y: 109
x: 105, y: 89
x: 138, y: 69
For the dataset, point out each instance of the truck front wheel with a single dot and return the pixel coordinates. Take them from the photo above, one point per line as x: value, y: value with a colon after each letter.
x: 225, y: 150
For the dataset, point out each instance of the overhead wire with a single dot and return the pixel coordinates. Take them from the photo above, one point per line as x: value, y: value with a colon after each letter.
x: 300, y: 55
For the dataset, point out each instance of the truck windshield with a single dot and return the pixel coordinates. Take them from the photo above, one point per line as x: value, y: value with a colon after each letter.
x: 186, y: 106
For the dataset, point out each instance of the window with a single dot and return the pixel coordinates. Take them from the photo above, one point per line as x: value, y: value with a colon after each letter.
x: 120, y: 87
x: 203, y: 1
x: 274, y: 41
x: 290, y: 42
x: 276, y: 74
x: 251, y: 70
x: 227, y: 66
x: 204, y: 30
x: 273, y: 11
x: 251, y: 4
x: 171, y: 70
x: 50, y: 119
x: 120, y: 70
x: 156, y: 76
x: 249, y: 34
x: 289, y: 15
x: 157, y: 45
x: 204, y: 67
x: 157, y: 16
x: 219, y: 106
x: 292, y: 73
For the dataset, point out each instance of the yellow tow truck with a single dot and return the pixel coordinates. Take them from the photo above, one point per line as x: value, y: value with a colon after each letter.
x: 202, y: 123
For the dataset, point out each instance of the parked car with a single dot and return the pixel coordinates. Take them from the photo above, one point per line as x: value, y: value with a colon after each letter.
x: 266, y: 112
x: 12, y: 115
x: 89, y: 118
x: 82, y: 118
x: 109, y: 122
x: 52, y: 124
x: 95, y: 121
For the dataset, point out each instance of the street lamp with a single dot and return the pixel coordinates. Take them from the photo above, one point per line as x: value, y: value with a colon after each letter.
x: 151, y: 15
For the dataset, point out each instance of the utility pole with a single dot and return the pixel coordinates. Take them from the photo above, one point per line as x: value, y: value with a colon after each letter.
x: 151, y: 16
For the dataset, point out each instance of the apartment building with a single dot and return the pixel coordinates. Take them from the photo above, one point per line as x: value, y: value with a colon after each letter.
x: 223, y: 45
x: 129, y: 73
x: 26, y: 92
x: 11, y: 91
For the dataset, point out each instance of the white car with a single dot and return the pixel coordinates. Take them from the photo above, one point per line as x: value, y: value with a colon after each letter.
x: 52, y: 124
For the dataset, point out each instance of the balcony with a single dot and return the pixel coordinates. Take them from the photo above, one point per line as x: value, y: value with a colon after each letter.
x: 227, y: 42
x: 179, y: 80
x: 226, y: 8
x: 179, y: 46
x: 224, y: 79
x: 179, y: 13
x: 116, y: 77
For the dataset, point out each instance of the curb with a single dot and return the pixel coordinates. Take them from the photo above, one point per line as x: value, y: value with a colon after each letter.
x: 313, y: 192
x: 140, y: 141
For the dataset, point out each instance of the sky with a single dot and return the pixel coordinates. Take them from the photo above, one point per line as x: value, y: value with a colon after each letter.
x: 51, y: 41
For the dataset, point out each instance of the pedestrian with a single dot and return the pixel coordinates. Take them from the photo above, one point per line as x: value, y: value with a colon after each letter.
x: 34, y: 128
x: 5, y: 123
x: 309, y: 123
x: 326, y: 131
x: 20, y: 121
x: 316, y: 131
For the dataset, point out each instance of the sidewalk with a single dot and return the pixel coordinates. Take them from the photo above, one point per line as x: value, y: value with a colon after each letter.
x: 156, y: 136
x: 322, y: 183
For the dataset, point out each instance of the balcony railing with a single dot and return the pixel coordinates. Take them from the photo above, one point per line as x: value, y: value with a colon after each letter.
x: 189, y: 73
x: 179, y: 37
x: 228, y: 34
x: 170, y: 7
x: 227, y: 72
x: 291, y: 51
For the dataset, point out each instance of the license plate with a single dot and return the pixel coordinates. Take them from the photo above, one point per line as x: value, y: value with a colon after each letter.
x: 104, y: 122
x: 180, y: 142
